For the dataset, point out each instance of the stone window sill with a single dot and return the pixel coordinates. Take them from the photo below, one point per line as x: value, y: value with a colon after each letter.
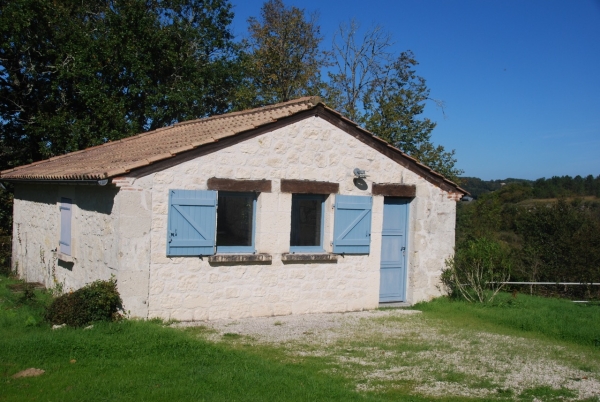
x: 64, y: 257
x: 289, y: 257
x: 240, y: 258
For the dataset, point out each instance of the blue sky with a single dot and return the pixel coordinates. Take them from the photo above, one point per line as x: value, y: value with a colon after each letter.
x: 520, y: 78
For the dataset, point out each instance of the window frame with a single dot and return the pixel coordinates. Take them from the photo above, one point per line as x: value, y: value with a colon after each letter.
x: 309, y: 249
x: 251, y: 249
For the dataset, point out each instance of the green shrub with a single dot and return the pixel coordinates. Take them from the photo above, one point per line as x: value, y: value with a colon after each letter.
x: 97, y: 301
x: 478, y: 270
x: 563, y: 240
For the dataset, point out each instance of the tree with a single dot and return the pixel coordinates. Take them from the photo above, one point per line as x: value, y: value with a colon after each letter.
x: 565, y: 238
x: 75, y: 74
x: 358, y: 66
x: 385, y: 95
x: 282, y: 56
x: 392, y: 108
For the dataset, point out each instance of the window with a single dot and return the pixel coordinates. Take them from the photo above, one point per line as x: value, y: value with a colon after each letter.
x: 307, y: 223
x: 235, y: 222
x: 65, y: 226
x: 197, y: 227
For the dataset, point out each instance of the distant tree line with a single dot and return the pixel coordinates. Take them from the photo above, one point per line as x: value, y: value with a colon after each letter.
x: 567, y: 186
x: 554, y: 187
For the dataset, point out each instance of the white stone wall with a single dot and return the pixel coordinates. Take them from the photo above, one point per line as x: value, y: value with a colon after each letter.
x: 109, y: 236
x: 186, y: 288
x: 134, y: 226
x: 36, y: 232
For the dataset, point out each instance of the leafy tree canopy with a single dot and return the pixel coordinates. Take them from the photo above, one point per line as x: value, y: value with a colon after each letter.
x: 79, y: 73
x: 282, y: 57
x: 393, y: 107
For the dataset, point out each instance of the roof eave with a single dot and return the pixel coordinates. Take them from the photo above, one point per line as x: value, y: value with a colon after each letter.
x: 89, y: 182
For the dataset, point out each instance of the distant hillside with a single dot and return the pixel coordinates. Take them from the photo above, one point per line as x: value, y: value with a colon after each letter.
x: 556, y: 186
x: 548, y: 230
x: 478, y: 187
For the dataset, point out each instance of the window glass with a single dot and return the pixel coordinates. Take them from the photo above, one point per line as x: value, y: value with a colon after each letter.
x: 235, y: 221
x: 307, y: 222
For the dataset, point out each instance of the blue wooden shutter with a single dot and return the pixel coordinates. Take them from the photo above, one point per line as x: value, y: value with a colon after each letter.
x: 192, y: 222
x: 65, y: 226
x: 352, y: 224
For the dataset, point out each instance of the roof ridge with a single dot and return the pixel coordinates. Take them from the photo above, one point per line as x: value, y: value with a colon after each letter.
x: 312, y: 100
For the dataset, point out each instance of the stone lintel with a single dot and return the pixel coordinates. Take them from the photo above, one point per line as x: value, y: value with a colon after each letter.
x: 309, y: 187
x: 395, y: 190
x: 287, y: 257
x: 260, y: 186
x: 240, y: 258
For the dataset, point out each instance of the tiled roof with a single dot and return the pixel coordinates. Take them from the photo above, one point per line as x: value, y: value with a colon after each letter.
x: 120, y: 157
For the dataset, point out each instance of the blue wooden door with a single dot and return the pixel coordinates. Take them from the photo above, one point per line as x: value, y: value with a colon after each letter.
x: 392, y: 286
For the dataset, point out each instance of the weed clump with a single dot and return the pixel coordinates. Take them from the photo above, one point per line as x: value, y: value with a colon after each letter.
x: 97, y: 301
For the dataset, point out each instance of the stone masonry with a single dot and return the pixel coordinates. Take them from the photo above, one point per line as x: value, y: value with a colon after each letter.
x: 186, y: 288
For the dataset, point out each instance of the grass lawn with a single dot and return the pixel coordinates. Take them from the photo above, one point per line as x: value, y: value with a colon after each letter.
x: 557, y: 319
x: 452, y: 351
x: 143, y: 360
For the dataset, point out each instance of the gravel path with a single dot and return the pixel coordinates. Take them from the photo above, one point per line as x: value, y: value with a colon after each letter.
x: 385, y: 349
x: 326, y: 327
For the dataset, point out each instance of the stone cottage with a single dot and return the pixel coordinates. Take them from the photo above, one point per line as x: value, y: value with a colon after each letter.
x: 285, y: 209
